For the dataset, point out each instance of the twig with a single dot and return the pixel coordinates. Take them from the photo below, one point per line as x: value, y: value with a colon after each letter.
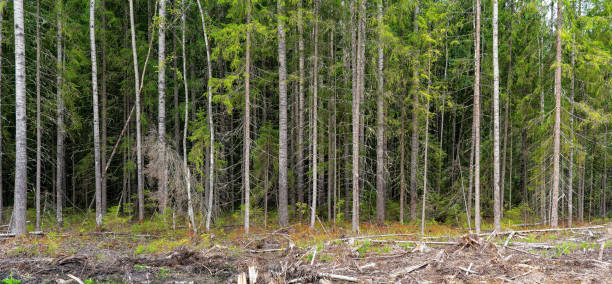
x: 521, y: 275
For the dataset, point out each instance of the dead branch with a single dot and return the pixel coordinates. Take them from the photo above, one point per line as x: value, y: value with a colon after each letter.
x: 338, y: 277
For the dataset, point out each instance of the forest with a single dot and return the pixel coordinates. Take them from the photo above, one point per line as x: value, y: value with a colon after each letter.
x: 214, y: 140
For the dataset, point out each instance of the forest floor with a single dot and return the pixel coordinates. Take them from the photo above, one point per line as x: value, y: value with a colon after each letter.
x: 296, y: 254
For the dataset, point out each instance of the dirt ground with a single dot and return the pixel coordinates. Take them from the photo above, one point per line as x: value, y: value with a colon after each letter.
x: 581, y: 255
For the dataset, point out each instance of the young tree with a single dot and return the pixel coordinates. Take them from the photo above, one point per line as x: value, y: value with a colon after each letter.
x: 247, y: 123
x: 380, y: 126
x: 496, y: 142
x: 315, y: 116
x: 554, y: 219
x: 161, y: 102
x: 283, y: 215
x: 96, y: 113
x: 476, y: 120
x: 21, y: 159
x: 210, y: 122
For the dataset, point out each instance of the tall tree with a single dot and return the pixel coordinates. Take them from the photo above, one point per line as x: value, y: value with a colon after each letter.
x: 139, y: 176
x: 38, y: 127
x: 60, y: 162
x: 315, y: 116
x: 506, y: 118
x: 103, y: 111
x: 476, y: 120
x: 210, y: 122
x: 426, y: 147
x: 21, y: 159
x: 283, y: 214
x: 496, y: 142
x: 554, y: 219
x: 96, y: 112
x: 414, y: 146
x: 185, y: 164
x: 161, y: 103
x: 380, y: 125
x: 1, y: 136
x: 356, y: 16
x: 300, y: 130
x: 247, y: 122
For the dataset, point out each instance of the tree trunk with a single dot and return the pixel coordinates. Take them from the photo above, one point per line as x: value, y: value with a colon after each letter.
x: 20, y: 201
x: 380, y: 127
x: 161, y: 100
x: 1, y: 136
x: 210, y: 124
x: 103, y: 93
x: 356, y: 117
x: 138, y: 125
x: 496, y: 140
x: 506, y: 117
x: 570, y: 181
x: 38, y: 126
x: 59, y: 180
x: 315, y: 116
x: 426, y: 146
x: 186, y: 165
x: 554, y: 219
x: 300, y: 142
x: 283, y: 210
x: 402, y: 150
x: 476, y: 121
x: 414, y: 147
x: 96, y: 113
x: 247, y: 123
x: 331, y: 134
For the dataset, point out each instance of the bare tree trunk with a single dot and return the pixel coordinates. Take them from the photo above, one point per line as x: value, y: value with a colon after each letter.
x: 496, y: 140
x: 506, y: 116
x: 175, y: 90
x: 402, y: 165
x: 1, y: 153
x: 210, y: 123
x: 247, y: 123
x: 59, y: 180
x: 554, y: 219
x: 38, y: 126
x: 300, y: 142
x: 570, y: 182
x: 283, y: 210
x: 138, y: 125
x: 331, y: 136
x: 542, y: 187
x: 19, y: 208
x: 315, y: 116
x: 426, y: 146
x: 161, y: 100
x: 103, y: 90
x: 414, y: 152
x: 186, y: 165
x: 380, y: 127
x: 357, y: 113
x: 476, y: 121
x: 96, y: 113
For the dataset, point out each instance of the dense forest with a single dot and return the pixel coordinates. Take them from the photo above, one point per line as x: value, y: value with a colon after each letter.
x: 256, y: 112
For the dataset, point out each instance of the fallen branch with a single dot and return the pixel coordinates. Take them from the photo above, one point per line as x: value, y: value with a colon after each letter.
x: 372, y: 237
x: 415, y: 242
x: 408, y: 269
x: 75, y: 279
x: 338, y: 277
x: 543, y: 230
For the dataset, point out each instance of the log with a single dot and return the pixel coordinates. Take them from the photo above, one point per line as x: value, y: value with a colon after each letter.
x: 338, y: 277
x: 408, y: 269
x: 543, y: 230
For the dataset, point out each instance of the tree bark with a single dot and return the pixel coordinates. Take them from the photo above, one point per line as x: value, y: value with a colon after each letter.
x: 103, y: 94
x: 300, y: 130
x: 414, y: 147
x: 554, y: 219
x: 476, y: 120
x: 315, y: 116
x: 20, y: 201
x: 380, y: 127
x: 247, y: 123
x: 426, y: 148
x: 161, y: 101
x: 496, y: 140
x: 59, y: 180
x: 96, y: 112
x: 210, y: 124
x: 186, y: 165
x: 283, y: 210
x: 1, y: 136
x: 38, y: 126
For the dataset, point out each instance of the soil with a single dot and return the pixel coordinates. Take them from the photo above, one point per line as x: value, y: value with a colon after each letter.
x: 568, y: 256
